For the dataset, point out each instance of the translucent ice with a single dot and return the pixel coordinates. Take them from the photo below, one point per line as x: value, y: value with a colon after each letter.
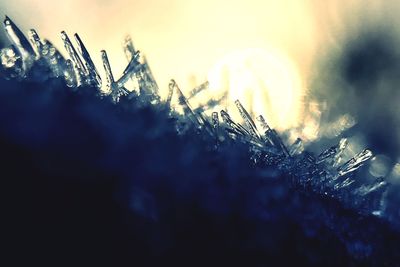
x: 355, y: 163
x: 35, y: 58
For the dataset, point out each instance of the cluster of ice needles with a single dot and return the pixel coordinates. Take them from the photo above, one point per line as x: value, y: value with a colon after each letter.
x: 35, y: 59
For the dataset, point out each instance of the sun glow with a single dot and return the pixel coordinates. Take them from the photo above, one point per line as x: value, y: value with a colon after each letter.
x: 265, y: 81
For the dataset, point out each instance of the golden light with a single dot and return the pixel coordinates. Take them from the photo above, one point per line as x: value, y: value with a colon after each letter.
x: 182, y: 39
x: 265, y: 81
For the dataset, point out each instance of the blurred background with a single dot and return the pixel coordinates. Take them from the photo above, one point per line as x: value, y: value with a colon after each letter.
x: 182, y: 39
x: 316, y: 69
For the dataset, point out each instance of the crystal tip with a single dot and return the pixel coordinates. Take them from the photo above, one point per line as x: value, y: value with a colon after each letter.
x: 64, y: 35
x: 7, y: 20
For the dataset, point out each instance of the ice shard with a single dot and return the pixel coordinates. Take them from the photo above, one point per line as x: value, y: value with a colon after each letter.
x: 107, y: 69
x: 171, y: 89
x: 132, y: 69
x: 21, y: 43
x: 9, y: 57
x: 212, y: 103
x: 272, y: 137
x: 80, y: 69
x: 19, y: 58
x: 38, y: 58
x: 129, y: 49
x: 355, y: 163
x: 17, y: 37
x: 11, y: 62
x: 329, y: 153
x: 183, y: 102
x: 333, y: 153
x: 92, y: 75
x: 215, y: 121
x: 55, y: 60
x: 251, y: 126
x: 343, y: 184
x: 196, y: 116
x: 202, y: 87
x: 139, y: 73
x: 377, y: 185
x: 70, y: 75
x: 115, y: 90
x: 133, y: 59
x: 297, y: 147
x: 36, y: 42
x: 338, y: 157
x: 149, y: 77
x: 235, y: 127
x: 148, y: 87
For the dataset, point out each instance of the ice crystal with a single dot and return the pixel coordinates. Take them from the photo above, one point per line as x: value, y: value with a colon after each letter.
x: 34, y: 58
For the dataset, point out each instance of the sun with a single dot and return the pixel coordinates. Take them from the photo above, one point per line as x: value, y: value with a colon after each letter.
x: 265, y: 81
